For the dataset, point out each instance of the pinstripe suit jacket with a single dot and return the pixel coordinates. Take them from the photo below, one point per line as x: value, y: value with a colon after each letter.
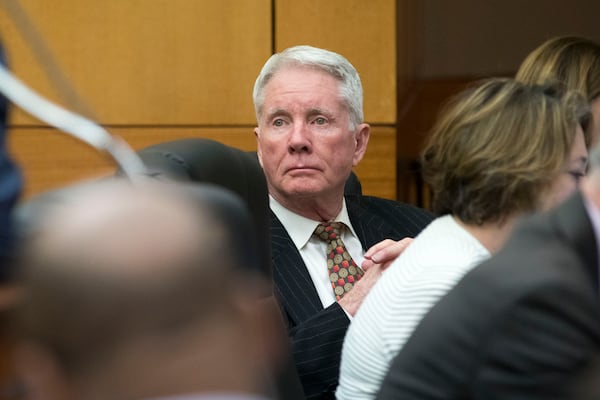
x: 317, y: 333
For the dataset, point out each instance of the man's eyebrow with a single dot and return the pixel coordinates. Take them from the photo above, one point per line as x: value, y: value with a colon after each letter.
x: 320, y: 111
x: 275, y: 112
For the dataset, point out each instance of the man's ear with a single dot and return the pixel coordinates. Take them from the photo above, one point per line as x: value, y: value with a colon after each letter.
x: 258, y: 150
x: 363, y: 133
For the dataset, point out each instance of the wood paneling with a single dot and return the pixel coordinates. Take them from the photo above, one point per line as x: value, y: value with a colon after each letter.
x: 488, y: 38
x: 149, y: 61
x: 50, y: 159
x: 362, y: 31
x: 377, y: 171
x: 421, y: 109
x: 407, y: 49
x: 166, y: 69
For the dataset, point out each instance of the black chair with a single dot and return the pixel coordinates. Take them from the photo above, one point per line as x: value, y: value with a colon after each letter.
x: 208, y: 161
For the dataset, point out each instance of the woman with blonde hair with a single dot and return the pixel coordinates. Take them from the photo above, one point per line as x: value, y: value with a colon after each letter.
x: 574, y: 62
x: 497, y: 152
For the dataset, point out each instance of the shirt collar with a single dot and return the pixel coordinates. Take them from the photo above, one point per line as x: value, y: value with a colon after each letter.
x: 301, y: 228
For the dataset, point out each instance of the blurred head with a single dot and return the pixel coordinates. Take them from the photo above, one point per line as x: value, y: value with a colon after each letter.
x: 497, y: 150
x: 125, y: 284
x: 310, y: 132
x: 574, y: 62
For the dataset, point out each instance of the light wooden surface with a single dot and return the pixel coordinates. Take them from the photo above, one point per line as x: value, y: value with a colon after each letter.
x: 363, y: 31
x: 156, y: 70
x: 150, y: 61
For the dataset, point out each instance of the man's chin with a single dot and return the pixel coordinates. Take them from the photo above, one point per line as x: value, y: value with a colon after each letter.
x: 304, y: 191
x: 303, y: 187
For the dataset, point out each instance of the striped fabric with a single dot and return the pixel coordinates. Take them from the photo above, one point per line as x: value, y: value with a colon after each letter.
x: 317, y: 334
x: 429, y: 268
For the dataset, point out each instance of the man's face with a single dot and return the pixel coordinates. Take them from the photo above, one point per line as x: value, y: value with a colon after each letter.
x: 305, y: 142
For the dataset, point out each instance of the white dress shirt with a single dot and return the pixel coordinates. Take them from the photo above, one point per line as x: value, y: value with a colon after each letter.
x: 314, y: 250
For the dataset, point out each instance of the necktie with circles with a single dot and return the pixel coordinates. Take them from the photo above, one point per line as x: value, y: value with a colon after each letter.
x: 343, y: 271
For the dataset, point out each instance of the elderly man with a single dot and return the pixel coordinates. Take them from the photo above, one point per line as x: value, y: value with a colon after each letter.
x: 145, y: 292
x: 310, y: 135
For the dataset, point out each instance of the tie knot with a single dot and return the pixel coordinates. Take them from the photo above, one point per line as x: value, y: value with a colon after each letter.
x: 329, y: 231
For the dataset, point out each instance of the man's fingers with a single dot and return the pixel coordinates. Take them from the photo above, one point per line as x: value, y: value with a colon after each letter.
x: 389, y: 253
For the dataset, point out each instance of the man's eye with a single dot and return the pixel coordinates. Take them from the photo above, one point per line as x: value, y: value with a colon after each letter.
x: 320, y: 121
x: 278, y: 122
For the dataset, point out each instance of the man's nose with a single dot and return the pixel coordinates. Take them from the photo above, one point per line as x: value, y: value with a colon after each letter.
x: 299, y: 140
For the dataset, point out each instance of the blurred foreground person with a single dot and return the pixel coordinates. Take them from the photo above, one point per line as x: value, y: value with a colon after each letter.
x: 522, y: 325
x: 144, y: 292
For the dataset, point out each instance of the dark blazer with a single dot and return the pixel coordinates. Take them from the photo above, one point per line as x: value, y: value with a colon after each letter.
x: 519, y: 326
x: 317, y: 334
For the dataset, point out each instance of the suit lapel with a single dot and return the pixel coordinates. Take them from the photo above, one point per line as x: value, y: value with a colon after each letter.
x: 293, y: 284
x: 369, y: 227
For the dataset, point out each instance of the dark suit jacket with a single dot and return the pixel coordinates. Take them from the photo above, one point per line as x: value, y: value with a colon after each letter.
x: 519, y: 326
x: 317, y: 333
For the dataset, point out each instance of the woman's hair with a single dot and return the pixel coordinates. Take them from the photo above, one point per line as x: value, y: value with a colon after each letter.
x: 327, y: 61
x: 496, y: 148
x: 571, y: 60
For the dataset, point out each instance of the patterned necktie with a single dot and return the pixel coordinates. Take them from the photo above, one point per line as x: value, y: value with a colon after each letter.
x: 343, y: 271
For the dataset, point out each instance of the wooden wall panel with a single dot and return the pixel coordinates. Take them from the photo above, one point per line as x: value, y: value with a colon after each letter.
x: 489, y: 38
x: 377, y: 171
x: 407, y: 49
x: 150, y: 62
x: 51, y: 159
x: 362, y: 31
x: 423, y: 105
x: 165, y: 69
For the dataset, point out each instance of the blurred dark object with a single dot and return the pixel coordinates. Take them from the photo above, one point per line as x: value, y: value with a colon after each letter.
x: 10, y: 188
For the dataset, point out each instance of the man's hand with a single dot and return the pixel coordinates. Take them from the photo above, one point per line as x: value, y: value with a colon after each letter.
x: 354, y: 298
x: 377, y: 258
x: 384, y: 253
